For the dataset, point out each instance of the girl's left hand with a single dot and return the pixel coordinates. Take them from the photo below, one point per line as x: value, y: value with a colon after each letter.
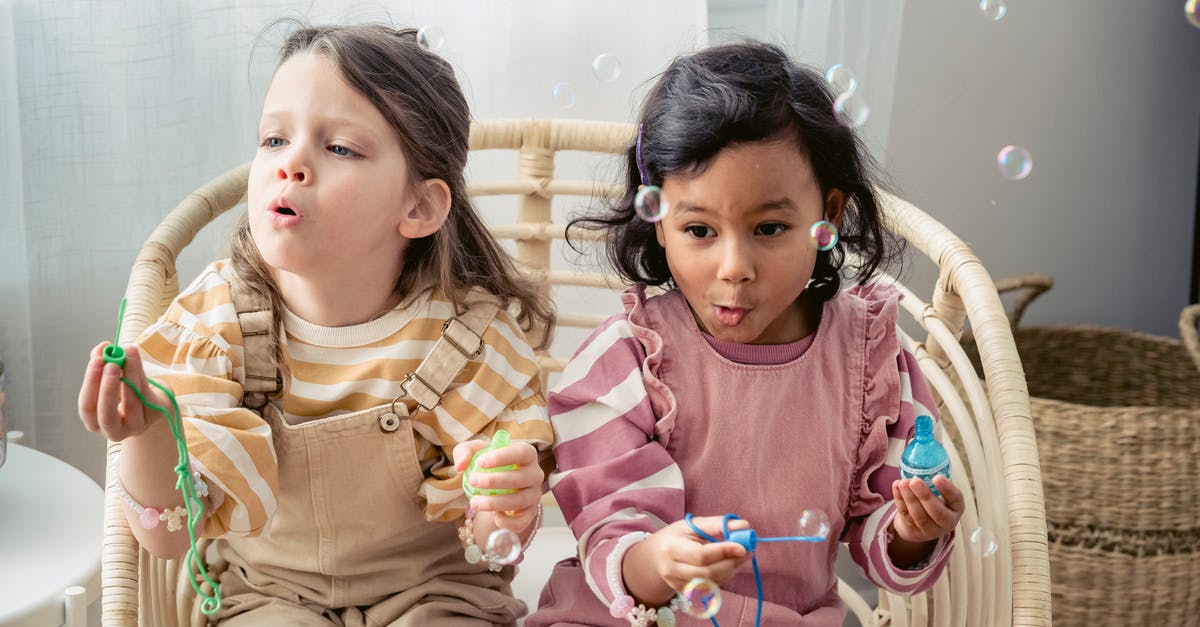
x: 920, y: 515
x: 513, y: 511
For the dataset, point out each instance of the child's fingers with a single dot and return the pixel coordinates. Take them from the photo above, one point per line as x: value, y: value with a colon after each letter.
x: 89, y: 392
x: 464, y: 450
x: 529, y: 475
x: 920, y: 502
x: 519, y: 453
x: 132, y: 410
x: 951, y: 494
x: 712, y: 525
x: 517, y: 501
x: 108, y: 416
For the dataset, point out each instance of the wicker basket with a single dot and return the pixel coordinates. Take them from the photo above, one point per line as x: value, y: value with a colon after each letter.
x: 1117, y: 415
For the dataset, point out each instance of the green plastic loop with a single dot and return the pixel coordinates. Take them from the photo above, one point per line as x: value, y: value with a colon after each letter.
x: 499, y: 440
x: 113, y: 353
x: 195, y: 508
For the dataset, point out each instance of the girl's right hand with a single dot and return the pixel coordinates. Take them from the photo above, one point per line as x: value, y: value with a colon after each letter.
x: 107, y: 405
x: 677, y: 555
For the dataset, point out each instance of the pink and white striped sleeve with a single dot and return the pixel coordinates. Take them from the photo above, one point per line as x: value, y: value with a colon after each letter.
x: 873, y: 509
x: 613, y: 478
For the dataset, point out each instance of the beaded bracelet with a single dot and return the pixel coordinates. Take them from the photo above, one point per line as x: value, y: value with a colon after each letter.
x: 623, y: 605
x: 149, y: 517
x: 474, y: 554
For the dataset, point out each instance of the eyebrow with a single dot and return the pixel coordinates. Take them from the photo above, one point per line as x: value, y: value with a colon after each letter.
x: 780, y: 204
x: 282, y: 116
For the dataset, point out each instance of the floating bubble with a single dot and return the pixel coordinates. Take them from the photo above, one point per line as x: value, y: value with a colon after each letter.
x: 564, y: 95
x: 984, y: 541
x: 841, y: 79
x: 993, y: 10
x: 649, y: 204
x: 606, y: 67
x: 1192, y: 10
x: 504, y: 546
x: 851, y: 110
x: 1015, y: 162
x: 701, y: 598
x: 814, y: 523
x: 431, y: 37
x: 824, y: 235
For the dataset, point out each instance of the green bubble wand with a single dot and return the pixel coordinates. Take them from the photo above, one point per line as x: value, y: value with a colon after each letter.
x: 114, y: 354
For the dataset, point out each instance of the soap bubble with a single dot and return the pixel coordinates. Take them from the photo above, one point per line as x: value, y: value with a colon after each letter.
x: 1015, y: 162
x: 701, y: 598
x: 814, y: 523
x: 851, y: 110
x: 649, y: 204
x: 824, y: 235
x: 841, y: 79
x: 504, y: 545
x: 993, y: 10
x: 606, y: 67
x: 564, y: 95
x: 1192, y: 10
x: 431, y: 37
x: 984, y: 541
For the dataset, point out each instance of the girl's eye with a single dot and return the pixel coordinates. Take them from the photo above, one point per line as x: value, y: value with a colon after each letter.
x: 273, y: 142
x: 772, y: 229
x: 698, y: 231
x: 342, y: 151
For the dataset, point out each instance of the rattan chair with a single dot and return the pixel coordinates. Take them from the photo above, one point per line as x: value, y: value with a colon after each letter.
x: 992, y: 423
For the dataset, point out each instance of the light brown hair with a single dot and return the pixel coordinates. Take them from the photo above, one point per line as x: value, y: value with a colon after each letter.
x: 417, y: 93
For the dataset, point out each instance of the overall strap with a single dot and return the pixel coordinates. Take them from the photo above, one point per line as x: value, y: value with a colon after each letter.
x: 461, y: 341
x: 255, y: 316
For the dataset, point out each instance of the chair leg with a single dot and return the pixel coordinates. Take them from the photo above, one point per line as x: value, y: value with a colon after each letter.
x: 76, y: 606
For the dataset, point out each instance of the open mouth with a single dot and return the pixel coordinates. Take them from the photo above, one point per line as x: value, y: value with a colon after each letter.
x: 286, y: 211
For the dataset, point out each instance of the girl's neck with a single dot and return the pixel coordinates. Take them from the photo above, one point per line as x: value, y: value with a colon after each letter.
x: 338, y: 302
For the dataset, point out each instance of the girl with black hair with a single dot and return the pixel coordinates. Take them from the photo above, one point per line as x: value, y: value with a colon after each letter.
x: 755, y: 384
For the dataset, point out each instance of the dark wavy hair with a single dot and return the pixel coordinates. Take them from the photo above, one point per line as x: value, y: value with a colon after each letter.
x: 730, y: 94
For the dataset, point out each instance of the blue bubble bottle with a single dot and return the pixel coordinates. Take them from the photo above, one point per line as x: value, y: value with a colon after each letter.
x: 925, y: 457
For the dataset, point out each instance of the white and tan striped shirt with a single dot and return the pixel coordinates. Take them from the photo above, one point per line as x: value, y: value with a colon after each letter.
x: 196, y: 350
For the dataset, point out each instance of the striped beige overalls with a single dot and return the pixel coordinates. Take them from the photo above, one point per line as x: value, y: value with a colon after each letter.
x: 349, y: 543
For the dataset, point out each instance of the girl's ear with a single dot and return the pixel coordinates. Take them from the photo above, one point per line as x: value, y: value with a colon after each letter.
x: 429, y: 212
x: 658, y: 234
x: 835, y: 206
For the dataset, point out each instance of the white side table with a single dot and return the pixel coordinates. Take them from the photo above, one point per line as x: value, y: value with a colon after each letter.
x: 51, y: 530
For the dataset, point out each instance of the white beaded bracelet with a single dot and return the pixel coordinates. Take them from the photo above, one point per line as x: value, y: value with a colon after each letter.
x: 473, y: 553
x: 623, y: 605
x: 149, y: 517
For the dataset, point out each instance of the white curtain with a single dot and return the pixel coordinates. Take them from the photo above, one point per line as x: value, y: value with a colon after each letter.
x: 112, y: 111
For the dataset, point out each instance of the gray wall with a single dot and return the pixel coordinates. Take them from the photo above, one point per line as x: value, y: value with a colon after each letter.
x: 1106, y: 97
x: 1104, y: 94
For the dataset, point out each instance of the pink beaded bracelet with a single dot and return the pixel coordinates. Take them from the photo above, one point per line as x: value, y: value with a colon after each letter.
x: 623, y: 605
x: 149, y: 517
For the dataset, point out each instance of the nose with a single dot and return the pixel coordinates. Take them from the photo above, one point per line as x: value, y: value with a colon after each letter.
x: 295, y: 168
x: 737, y: 262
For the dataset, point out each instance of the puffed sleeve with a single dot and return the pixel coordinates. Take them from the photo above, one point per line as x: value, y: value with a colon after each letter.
x: 195, y: 351
x: 895, y: 394
x: 615, y: 480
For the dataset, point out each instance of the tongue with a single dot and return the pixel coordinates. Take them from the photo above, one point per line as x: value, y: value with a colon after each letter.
x: 730, y: 317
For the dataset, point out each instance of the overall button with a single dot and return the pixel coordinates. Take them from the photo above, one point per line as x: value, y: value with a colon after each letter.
x: 389, y: 422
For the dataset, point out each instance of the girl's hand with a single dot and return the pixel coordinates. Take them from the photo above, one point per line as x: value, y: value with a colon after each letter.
x: 676, y: 555
x: 107, y: 405
x: 512, y: 511
x: 920, y: 515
